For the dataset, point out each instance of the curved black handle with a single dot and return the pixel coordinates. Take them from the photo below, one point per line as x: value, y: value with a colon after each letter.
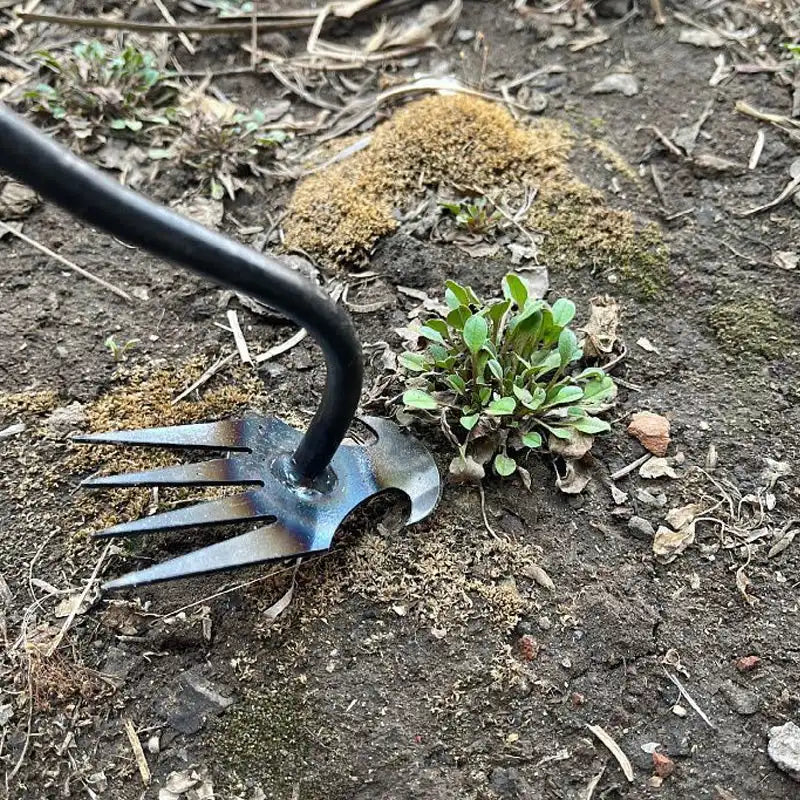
x: 83, y: 191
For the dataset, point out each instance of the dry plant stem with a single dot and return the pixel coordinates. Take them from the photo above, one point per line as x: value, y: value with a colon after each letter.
x: 486, y: 524
x: 690, y: 700
x: 76, y: 606
x: 184, y: 39
x: 621, y: 473
x: 80, y: 270
x: 138, y: 752
x: 205, y: 377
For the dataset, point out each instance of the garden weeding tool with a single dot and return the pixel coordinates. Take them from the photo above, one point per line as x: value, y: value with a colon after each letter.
x: 302, y: 485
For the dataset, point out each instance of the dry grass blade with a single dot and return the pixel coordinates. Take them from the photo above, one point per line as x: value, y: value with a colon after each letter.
x: 281, y: 348
x: 184, y: 39
x: 138, y: 752
x: 690, y: 700
x: 614, y: 749
x: 206, y: 376
x: 789, y: 126
x: 238, y: 337
x: 66, y: 262
x: 592, y: 785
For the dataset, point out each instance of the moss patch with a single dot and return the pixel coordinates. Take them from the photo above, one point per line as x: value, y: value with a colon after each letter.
x: 752, y: 326
x: 471, y: 146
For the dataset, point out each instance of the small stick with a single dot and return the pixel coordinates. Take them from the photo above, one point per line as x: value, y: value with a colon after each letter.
x: 238, y: 337
x: 690, y: 701
x: 80, y: 270
x: 488, y: 527
x: 621, y: 473
x: 757, y: 148
x: 283, y: 347
x: 659, y: 184
x: 184, y: 39
x: 207, y: 375
x: 138, y: 753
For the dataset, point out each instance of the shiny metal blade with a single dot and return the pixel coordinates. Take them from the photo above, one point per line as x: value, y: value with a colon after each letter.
x: 214, y: 472
x: 227, y: 434
x: 237, y: 508
x: 268, y: 543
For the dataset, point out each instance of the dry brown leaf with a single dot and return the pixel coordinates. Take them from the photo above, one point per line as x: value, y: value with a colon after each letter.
x: 205, y: 210
x: 657, y: 467
x: 576, y: 477
x: 701, y: 38
x: 466, y: 470
x: 537, y: 574
x: 601, y: 329
x: 652, y: 430
x: 16, y: 201
x: 663, y: 765
x: 577, y: 446
x: 678, y: 518
x: 668, y: 544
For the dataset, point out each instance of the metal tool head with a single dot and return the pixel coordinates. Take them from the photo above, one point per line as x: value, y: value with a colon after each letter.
x: 299, y: 519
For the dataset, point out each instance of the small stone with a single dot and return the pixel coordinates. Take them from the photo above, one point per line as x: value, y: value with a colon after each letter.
x: 465, y: 35
x: 66, y: 420
x: 741, y: 700
x: 747, y: 663
x: 641, y: 529
x: 652, y: 430
x: 154, y: 744
x: 784, y: 748
x: 678, y: 710
x: 649, y: 499
x: 544, y: 623
x: 617, y: 83
x: 663, y: 765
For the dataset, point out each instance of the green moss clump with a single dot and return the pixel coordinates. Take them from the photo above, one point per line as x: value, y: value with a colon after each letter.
x: 752, y: 326
x: 262, y: 739
x: 581, y: 231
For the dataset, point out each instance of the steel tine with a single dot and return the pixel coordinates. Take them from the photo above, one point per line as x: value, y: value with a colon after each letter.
x: 227, y: 434
x: 236, y: 508
x: 268, y: 543
x: 214, y: 472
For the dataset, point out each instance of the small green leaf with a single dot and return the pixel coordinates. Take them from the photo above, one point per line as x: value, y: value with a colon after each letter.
x: 563, y: 311
x: 565, y: 394
x: 599, y: 391
x: 475, y: 333
x: 515, y: 289
x: 561, y: 433
x: 522, y: 394
x: 501, y: 407
x: 495, y: 369
x: 504, y: 466
x: 532, y: 439
x: 484, y: 393
x: 591, y: 425
x: 469, y: 421
x: 589, y: 373
x: 539, y: 396
x: 456, y: 382
x: 458, y: 316
x: 431, y: 334
x: 567, y: 345
x: 438, y: 325
x: 416, y: 398
x: 455, y: 295
x: 117, y: 124
x: 413, y: 362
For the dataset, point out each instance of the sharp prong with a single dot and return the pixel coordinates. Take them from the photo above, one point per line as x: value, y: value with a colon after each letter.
x: 268, y: 543
x: 240, y: 507
x: 214, y: 472
x: 227, y: 434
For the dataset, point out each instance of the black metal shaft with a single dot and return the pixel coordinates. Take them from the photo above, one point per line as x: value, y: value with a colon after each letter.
x: 86, y: 193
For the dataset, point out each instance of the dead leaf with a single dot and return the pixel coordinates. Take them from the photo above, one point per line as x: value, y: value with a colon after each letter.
x: 577, y: 446
x: 678, y: 518
x: 280, y: 605
x: 537, y: 574
x: 774, y: 471
x: 466, y: 470
x: 782, y: 540
x: 701, y: 38
x: 614, y: 749
x: 16, y: 201
x: 708, y: 164
x: 577, y: 476
x: 205, y: 210
x: 617, y: 83
x: 652, y: 430
x: 785, y: 259
x: 601, y: 329
x: 647, y: 345
x: 75, y: 604
x: 656, y: 467
x: 743, y: 583
x: 669, y: 544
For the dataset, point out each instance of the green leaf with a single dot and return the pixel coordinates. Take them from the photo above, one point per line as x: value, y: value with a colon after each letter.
x: 560, y: 433
x: 563, y: 311
x: 431, y: 334
x: 567, y: 346
x: 599, y: 391
x: 532, y: 439
x: 484, y: 393
x: 504, y: 466
x: 438, y: 325
x: 589, y: 373
x: 469, y: 421
x: 439, y: 353
x: 456, y: 382
x: 591, y: 425
x: 455, y: 295
x: 413, y: 362
x: 565, y: 394
x: 458, y: 316
x: 495, y: 369
x: 476, y: 331
x: 501, y: 407
x: 117, y: 124
x: 454, y: 208
x: 515, y: 289
x: 539, y: 396
x: 522, y: 394
x: 416, y: 398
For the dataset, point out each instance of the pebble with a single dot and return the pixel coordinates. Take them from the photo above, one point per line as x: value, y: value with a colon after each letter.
x: 465, y: 35
x: 617, y: 83
x: 641, y: 528
x: 741, y: 700
x: 545, y: 623
x: 784, y: 748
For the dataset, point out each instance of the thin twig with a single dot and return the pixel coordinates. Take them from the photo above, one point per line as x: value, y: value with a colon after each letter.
x: 486, y: 524
x: 621, y: 473
x: 138, y: 753
x: 281, y: 348
x: 66, y: 262
x: 184, y: 39
x: 76, y: 606
x: 207, y: 375
x: 238, y: 337
x: 690, y: 700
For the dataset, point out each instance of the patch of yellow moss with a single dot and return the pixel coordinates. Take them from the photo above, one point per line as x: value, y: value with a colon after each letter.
x: 28, y: 402
x: 752, y: 326
x: 613, y: 157
x: 456, y: 141
x: 472, y: 146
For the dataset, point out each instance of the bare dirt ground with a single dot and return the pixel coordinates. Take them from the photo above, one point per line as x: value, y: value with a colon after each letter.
x: 432, y: 661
